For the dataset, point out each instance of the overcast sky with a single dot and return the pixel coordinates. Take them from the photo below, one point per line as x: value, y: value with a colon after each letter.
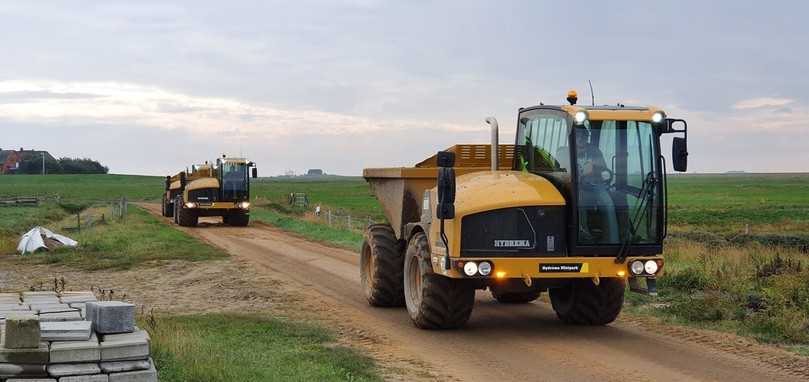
x: 150, y: 87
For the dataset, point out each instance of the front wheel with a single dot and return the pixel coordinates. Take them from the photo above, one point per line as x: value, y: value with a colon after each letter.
x: 185, y: 217
x: 433, y: 301
x: 585, y: 303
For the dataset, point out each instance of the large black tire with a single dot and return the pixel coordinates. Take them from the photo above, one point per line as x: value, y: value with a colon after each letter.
x: 176, y: 210
x: 381, y: 267
x: 433, y: 301
x: 584, y: 303
x: 185, y: 216
x: 168, y: 208
x: 237, y: 220
x: 515, y: 297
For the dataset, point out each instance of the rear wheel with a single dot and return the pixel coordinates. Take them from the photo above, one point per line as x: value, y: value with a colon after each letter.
x: 381, y: 267
x: 584, y: 303
x: 433, y: 301
x: 515, y: 297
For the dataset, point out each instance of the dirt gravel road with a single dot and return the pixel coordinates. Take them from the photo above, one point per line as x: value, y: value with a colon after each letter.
x: 503, y: 342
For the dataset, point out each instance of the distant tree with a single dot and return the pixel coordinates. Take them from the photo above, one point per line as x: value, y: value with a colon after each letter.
x: 33, y: 165
x: 81, y: 166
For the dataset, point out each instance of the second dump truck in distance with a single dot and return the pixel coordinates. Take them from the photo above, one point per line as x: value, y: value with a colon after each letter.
x: 210, y: 190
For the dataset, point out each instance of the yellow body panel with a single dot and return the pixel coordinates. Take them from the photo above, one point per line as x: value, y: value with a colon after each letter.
x: 486, y: 191
x: 202, y: 183
x: 619, y: 114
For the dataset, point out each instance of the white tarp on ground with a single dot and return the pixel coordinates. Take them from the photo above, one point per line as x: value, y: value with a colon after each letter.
x: 36, y: 237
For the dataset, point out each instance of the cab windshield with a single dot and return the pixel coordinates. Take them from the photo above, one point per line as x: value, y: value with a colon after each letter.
x: 234, y: 181
x: 617, y: 190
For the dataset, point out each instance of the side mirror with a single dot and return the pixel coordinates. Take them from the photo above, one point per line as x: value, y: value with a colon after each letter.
x: 446, y: 186
x: 255, y: 173
x: 679, y: 154
x: 168, y: 182
x: 182, y: 179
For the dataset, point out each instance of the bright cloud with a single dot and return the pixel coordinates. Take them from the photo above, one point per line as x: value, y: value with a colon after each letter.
x: 762, y: 102
x: 128, y: 104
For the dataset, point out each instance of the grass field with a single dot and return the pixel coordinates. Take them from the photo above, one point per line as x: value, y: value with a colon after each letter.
x: 216, y: 347
x: 83, y: 187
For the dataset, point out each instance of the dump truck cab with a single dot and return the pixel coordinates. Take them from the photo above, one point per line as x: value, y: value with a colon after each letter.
x: 576, y: 207
x: 208, y: 190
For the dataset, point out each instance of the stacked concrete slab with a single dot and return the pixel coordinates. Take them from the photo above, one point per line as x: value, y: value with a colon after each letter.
x: 71, y: 337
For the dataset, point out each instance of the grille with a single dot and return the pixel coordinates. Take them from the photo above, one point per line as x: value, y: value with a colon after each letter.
x: 514, y: 232
x: 204, y: 195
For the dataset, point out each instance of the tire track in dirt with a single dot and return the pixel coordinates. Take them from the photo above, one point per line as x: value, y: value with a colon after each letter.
x: 506, y: 342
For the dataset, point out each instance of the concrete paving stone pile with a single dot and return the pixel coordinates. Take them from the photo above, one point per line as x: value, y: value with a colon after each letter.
x: 71, y: 337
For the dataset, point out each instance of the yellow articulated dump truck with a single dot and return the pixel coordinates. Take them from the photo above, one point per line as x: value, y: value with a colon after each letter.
x: 208, y: 190
x: 575, y: 208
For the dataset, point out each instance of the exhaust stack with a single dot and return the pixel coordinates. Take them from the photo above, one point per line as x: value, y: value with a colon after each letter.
x: 495, y: 129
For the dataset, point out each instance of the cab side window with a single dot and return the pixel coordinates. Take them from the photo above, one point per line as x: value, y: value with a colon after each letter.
x: 544, y: 144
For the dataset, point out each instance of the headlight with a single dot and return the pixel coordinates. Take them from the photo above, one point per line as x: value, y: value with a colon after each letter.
x: 580, y: 117
x: 651, y: 267
x: 190, y: 205
x: 470, y: 268
x: 244, y: 205
x: 657, y: 117
x: 485, y: 268
x: 636, y: 267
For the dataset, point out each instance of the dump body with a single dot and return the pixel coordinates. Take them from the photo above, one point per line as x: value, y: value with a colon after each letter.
x: 400, y: 190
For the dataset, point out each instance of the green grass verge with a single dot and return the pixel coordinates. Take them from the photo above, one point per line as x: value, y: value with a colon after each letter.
x: 756, y: 291
x: 344, y: 195
x: 220, y: 347
x: 114, y: 244
x: 310, y: 230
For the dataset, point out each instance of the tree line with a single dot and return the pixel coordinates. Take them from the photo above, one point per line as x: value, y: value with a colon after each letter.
x: 65, y: 165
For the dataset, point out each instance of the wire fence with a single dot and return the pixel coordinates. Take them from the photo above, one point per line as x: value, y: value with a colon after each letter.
x: 347, y: 221
x: 112, y: 209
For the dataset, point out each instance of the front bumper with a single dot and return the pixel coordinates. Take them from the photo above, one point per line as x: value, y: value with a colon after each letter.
x: 547, y: 267
x: 217, y: 209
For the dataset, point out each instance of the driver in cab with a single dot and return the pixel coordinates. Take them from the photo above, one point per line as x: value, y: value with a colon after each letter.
x: 594, y: 178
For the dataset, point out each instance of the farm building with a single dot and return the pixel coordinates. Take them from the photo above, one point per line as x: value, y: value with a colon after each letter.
x: 10, y: 159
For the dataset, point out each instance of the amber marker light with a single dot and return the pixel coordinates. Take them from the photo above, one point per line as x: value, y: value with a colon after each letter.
x: 499, y: 274
x: 621, y: 273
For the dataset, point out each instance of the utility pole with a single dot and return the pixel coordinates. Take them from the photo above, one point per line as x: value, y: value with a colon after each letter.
x: 43, y: 163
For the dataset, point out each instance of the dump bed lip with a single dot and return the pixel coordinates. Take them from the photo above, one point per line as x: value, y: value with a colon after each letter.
x: 418, y: 172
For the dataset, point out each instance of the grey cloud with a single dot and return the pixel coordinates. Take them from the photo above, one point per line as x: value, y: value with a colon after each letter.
x: 449, y: 63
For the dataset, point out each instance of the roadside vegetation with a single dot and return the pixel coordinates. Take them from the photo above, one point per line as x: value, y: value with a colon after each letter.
x: 105, y: 242
x: 293, y: 221
x: 342, y: 194
x: 218, y: 347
